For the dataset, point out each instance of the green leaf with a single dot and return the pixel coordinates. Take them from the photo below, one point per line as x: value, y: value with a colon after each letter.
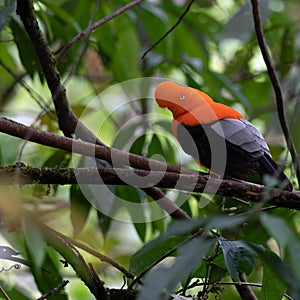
x: 80, y: 208
x: 80, y: 202
x: 155, y: 22
x: 103, y: 222
x: 238, y: 256
x: 158, y: 217
x: 35, y: 243
x: 58, y: 159
x: 74, y: 258
x: 258, y: 97
x: 234, y: 90
x: 162, y: 281
x: 155, y: 147
x: 183, y: 227
x: 15, y: 291
x: 286, y: 239
x: 131, y: 194
x: 241, y: 58
x: 62, y: 14
x: 47, y: 277
x: 160, y: 146
x: 182, y: 201
x: 176, y: 232
x: 9, y: 147
x: 141, y: 230
x: 216, y: 273
x: 287, y: 53
x: 8, y: 58
x: 280, y: 270
x: 193, y: 47
x: 240, y: 24
x: 17, y: 294
x: 126, y: 60
x: 101, y: 197
x: 137, y: 146
x: 152, y: 252
x: 223, y: 222
x: 5, y: 13
x: 26, y: 50
x: 273, y: 286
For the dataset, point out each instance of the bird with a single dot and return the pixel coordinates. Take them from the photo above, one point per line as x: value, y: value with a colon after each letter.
x: 211, y: 132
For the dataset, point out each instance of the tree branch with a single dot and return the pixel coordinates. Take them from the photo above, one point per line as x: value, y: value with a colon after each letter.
x: 54, y: 290
x: 92, y: 27
x: 22, y: 174
x: 4, y: 293
x: 170, y: 207
x: 67, y: 120
x: 244, y: 289
x: 121, y: 158
x: 276, y: 86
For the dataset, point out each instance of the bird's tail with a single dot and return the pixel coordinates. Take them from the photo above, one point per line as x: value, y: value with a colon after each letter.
x: 271, y: 168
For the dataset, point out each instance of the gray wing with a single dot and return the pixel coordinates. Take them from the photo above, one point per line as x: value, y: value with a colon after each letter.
x: 242, y: 133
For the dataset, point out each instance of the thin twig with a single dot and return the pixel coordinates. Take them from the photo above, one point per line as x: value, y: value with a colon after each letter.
x: 276, y: 86
x: 97, y: 254
x: 254, y: 284
x: 34, y: 95
x: 54, y: 290
x: 92, y: 27
x: 4, y: 293
x: 169, y: 31
x: 83, y: 45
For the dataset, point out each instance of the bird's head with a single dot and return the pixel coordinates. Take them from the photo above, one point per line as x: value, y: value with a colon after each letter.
x: 179, y: 99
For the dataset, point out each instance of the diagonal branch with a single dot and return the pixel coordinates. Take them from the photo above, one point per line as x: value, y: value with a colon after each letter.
x: 76, y: 146
x: 33, y: 94
x: 169, y: 31
x: 170, y: 207
x: 54, y: 290
x: 276, y: 86
x: 92, y: 27
x: 67, y: 120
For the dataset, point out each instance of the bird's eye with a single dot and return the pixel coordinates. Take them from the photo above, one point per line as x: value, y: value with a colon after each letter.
x: 181, y: 97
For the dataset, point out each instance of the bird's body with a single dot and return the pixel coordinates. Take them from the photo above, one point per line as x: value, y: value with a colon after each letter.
x: 217, y: 136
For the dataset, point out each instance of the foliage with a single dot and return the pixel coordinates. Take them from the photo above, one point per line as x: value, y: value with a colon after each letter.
x: 214, y: 48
